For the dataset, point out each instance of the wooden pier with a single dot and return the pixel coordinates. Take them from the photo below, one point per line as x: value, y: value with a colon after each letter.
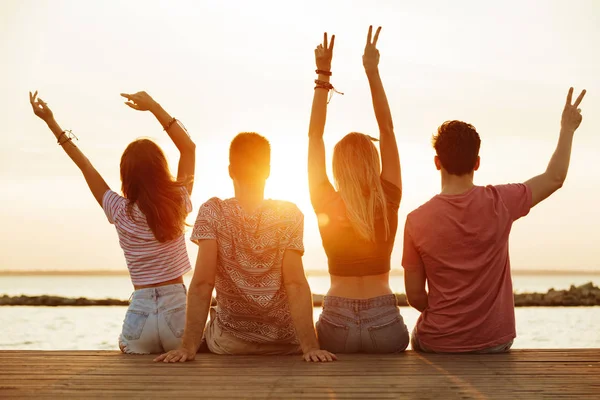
x: 521, y: 374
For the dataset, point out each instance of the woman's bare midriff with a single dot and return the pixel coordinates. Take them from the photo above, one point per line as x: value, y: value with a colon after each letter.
x: 360, y: 287
x: 165, y: 283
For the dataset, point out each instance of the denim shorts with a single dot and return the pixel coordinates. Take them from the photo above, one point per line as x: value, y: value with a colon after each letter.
x: 362, y: 325
x: 155, y: 320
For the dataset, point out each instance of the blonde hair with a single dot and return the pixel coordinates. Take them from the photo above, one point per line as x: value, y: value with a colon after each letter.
x: 356, y: 171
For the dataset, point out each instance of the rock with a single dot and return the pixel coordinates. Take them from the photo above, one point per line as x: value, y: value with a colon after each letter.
x: 588, y: 290
x: 55, y: 301
x: 583, y: 295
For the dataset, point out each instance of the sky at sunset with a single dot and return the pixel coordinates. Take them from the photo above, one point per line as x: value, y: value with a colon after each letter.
x: 223, y: 67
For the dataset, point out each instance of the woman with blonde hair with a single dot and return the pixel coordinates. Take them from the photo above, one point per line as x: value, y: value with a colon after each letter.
x: 150, y: 221
x: 358, y: 222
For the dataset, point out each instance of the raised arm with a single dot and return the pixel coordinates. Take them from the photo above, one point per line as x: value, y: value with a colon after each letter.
x: 198, y: 304
x: 542, y: 186
x: 390, y: 159
x: 142, y: 101
x: 301, y: 307
x: 317, y: 170
x: 94, y: 180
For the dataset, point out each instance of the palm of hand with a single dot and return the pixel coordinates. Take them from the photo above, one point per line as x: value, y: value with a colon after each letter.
x: 371, y: 57
x: 40, y: 108
x: 571, y: 116
x: 140, y: 101
x: 371, y: 54
x: 324, y: 54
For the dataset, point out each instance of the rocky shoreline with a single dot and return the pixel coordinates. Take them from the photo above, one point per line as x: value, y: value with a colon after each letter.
x: 575, y: 296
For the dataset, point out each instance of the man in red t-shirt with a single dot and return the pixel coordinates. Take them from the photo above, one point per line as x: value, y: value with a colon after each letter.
x: 457, y: 243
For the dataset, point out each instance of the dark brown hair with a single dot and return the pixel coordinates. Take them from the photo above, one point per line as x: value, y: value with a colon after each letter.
x: 147, y: 182
x: 457, y: 146
x: 249, y: 157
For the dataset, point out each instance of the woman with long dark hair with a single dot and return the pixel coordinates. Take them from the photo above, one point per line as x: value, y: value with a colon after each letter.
x: 150, y: 222
x: 358, y: 219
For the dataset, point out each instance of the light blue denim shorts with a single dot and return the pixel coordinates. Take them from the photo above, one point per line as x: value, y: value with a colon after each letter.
x: 155, y: 320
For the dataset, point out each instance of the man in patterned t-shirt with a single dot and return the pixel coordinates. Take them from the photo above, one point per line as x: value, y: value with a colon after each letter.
x: 250, y: 250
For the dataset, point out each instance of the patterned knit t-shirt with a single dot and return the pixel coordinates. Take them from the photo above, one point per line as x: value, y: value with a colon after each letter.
x: 149, y: 261
x: 251, y: 298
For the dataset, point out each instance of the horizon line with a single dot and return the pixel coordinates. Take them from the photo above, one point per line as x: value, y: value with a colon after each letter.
x: 393, y: 272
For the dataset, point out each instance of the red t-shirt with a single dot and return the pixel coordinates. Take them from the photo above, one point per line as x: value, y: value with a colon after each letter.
x: 462, y: 243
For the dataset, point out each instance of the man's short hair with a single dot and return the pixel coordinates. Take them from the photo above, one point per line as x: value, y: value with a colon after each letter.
x: 250, y: 157
x: 457, y: 146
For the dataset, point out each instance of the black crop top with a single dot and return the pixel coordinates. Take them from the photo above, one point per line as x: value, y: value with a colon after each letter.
x: 347, y: 253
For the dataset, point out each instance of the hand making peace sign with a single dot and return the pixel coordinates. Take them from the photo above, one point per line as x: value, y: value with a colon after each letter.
x: 371, y: 55
x: 324, y: 53
x: 571, y: 116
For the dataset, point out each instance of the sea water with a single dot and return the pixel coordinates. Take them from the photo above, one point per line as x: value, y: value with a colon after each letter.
x: 97, y: 328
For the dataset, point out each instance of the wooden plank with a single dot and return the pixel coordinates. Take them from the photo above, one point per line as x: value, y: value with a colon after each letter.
x: 521, y: 355
x: 520, y: 374
x: 349, y: 369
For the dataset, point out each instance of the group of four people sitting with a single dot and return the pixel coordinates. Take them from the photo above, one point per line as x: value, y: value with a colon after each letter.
x: 455, y: 254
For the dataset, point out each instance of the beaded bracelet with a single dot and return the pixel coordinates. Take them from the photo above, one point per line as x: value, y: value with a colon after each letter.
x: 68, y: 140
x: 327, y: 86
x: 70, y: 136
x: 60, y: 136
x: 323, y: 85
x: 171, y: 122
x: 322, y: 72
x: 180, y: 123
